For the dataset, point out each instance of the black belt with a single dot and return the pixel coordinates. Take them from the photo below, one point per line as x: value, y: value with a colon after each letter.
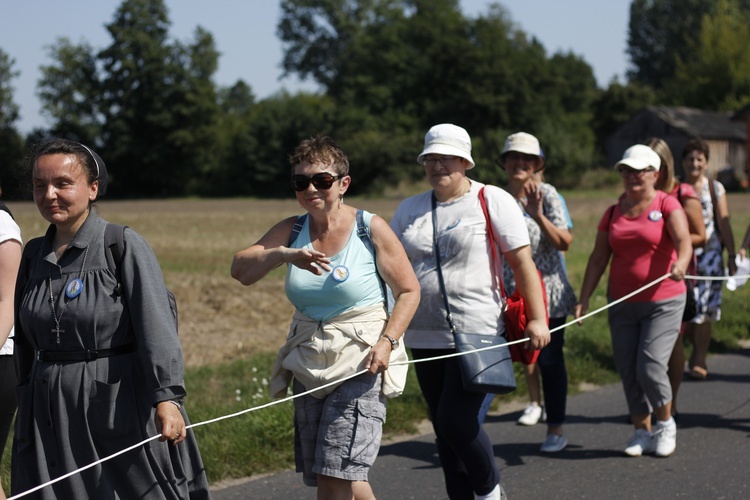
x: 87, y: 355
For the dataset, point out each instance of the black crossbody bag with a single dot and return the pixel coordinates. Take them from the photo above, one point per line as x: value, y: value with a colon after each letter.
x: 486, y: 371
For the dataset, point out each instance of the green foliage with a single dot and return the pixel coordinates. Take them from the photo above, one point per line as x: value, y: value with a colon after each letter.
x: 717, y: 76
x: 248, y: 444
x: 159, y: 103
x: 692, y: 52
x: 659, y: 33
x: 67, y: 89
x: 11, y: 144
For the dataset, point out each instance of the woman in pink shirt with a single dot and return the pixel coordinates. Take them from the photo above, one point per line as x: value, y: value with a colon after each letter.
x: 646, y: 236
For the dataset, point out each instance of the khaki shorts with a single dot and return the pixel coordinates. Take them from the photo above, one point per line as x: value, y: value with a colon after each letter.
x: 339, y: 436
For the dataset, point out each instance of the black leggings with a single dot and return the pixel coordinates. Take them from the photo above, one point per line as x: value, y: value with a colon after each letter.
x: 465, y: 449
x: 7, y: 398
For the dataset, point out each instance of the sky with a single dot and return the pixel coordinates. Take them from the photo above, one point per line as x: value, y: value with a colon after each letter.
x: 245, y: 34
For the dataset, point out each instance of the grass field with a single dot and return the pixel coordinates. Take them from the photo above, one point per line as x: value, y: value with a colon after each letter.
x: 229, y: 332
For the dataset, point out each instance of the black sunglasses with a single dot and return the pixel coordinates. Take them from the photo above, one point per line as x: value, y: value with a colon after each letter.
x: 323, y: 180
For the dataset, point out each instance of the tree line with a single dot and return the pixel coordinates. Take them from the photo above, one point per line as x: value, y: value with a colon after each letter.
x: 387, y: 70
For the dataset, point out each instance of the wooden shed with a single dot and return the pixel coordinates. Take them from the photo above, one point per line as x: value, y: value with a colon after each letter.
x: 725, y: 133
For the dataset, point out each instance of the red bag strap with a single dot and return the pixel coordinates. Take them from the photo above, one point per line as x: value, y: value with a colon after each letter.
x: 495, y: 262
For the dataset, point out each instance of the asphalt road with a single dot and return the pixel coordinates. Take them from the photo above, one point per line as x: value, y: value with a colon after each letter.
x: 711, y: 461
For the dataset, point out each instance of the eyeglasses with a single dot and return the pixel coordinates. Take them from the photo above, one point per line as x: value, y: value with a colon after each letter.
x: 431, y: 161
x: 323, y: 180
x: 626, y: 171
x: 524, y: 157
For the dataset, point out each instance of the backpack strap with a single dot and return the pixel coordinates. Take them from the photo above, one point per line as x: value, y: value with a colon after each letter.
x: 363, y: 231
x: 611, y: 213
x: 296, y: 228
x: 114, y: 241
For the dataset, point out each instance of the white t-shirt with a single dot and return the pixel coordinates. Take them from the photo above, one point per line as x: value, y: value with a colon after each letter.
x: 475, y: 303
x: 8, y: 231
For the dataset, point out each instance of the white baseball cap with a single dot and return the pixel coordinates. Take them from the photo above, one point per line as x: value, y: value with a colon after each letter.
x: 640, y: 157
x: 447, y: 139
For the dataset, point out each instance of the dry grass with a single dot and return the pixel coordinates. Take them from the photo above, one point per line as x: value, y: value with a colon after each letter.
x: 195, y: 240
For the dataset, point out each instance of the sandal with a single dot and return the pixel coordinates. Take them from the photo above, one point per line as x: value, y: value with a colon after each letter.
x: 698, y: 373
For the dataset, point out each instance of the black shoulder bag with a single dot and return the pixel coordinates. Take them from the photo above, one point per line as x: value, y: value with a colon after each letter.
x: 486, y: 371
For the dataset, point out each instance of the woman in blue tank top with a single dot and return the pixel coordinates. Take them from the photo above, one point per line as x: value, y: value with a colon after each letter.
x: 337, y: 261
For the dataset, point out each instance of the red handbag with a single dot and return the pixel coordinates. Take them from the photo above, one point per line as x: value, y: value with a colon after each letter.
x: 515, y: 306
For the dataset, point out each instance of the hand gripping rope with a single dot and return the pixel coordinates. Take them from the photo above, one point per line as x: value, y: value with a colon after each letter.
x: 248, y: 410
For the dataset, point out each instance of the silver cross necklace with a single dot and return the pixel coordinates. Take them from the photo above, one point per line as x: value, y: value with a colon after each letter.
x: 72, y: 290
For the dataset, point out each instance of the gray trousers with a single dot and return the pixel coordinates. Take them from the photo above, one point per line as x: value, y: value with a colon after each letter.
x: 643, y: 336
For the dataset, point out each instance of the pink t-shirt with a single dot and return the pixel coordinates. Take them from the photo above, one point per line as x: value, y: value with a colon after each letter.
x: 683, y: 190
x: 642, y: 251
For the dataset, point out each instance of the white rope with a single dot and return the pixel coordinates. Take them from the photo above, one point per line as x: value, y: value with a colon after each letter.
x: 336, y: 382
x: 718, y: 278
x: 248, y: 410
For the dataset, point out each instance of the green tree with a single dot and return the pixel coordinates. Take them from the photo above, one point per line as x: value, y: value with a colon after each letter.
x: 717, y: 76
x: 659, y: 33
x: 149, y: 103
x: 400, y: 67
x: 236, y: 144
x: 11, y: 144
x: 278, y: 125
x: 69, y: 91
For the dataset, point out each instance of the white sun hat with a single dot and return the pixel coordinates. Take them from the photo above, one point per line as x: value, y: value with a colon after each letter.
x: 523, y: 143
x: 447, y: 139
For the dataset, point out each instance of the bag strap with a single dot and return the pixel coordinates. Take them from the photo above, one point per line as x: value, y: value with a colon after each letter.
x: 495, y: 263
x: 441, y: 282
x: 495, y: 258
x: 712, y: 192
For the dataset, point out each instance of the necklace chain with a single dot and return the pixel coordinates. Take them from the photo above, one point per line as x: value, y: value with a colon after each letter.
x: 57, y: 330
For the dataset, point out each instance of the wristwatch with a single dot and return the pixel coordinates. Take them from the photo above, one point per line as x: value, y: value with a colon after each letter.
x: 394, y: 343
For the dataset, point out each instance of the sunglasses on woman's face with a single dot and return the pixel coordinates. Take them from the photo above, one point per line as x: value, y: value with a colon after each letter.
x: 323, y: 180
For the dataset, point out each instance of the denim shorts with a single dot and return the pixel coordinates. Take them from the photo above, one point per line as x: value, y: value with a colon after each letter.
x: 339, y: 436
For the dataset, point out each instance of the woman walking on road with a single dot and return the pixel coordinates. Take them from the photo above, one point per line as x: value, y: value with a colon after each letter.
x: 460, y: 235
x: 549, y: 235
x: 338, y: 261
x: 710, y: 258
x: 645, y: 234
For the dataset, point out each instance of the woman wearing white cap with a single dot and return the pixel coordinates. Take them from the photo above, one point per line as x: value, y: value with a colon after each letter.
x: 646, y: 235
x: 465, y: 450
x: 547, y: 224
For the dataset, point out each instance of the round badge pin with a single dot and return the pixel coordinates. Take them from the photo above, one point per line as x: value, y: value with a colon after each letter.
x: 74, y: 288
x: 654, y: 216
x: 453, y: 224
x: 340, y: 273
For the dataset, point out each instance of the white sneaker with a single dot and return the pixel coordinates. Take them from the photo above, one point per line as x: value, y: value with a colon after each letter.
x: 531, y: 415
x: 665, y: 437
x: 554, y: 443
x: 641, y: 442
x: 498, y: 493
